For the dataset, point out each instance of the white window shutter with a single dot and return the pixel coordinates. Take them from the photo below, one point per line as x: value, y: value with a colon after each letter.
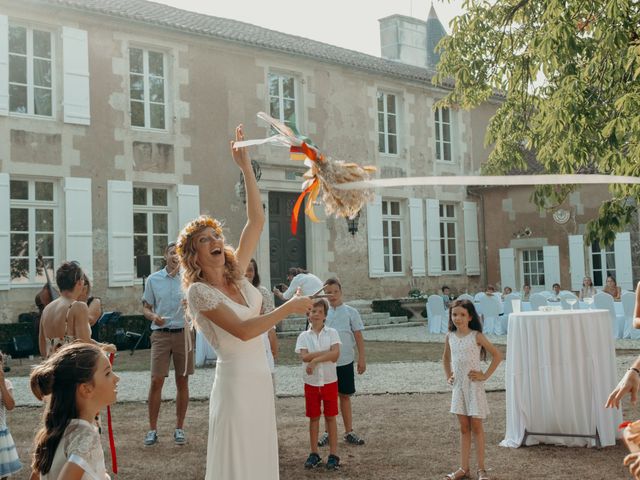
x: 433, y: 237
x: 75, y: 58
x: 188, y: 204
x: 78, y: 222
x: 374, y: 237
x: 120, y: 214
x: 4, y: 67
x: 5, y: 249
x: 551, y: 257
x: 576, y: 261
x: 622, y: 251
x: 508, y: 268
x: 471, y: 239
x: 417, y: 237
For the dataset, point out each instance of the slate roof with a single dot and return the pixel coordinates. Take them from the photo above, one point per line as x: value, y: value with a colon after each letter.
x: 244, y: 33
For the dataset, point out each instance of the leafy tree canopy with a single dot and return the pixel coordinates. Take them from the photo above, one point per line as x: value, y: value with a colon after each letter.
x: 570, y: 75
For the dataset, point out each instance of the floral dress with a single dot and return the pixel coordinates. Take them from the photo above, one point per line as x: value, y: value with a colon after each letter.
x: 469, y: 397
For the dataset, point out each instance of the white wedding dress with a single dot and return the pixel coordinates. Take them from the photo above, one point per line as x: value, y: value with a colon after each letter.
x: 243, y: 440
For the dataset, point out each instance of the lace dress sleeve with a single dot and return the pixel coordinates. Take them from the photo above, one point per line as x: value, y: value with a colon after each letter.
x: 83, y: 447
x: 202, y: 298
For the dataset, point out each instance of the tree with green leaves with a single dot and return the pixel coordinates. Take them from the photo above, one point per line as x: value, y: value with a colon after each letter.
x: 569, y: 72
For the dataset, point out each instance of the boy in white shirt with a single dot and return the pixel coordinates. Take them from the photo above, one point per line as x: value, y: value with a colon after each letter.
x: 319, y: 348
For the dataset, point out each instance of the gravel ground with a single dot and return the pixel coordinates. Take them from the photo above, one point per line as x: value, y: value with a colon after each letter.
x: 397, y: 377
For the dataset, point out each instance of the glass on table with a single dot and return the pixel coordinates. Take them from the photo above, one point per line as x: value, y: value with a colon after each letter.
x: 572, y: 301
x: 588, y: 301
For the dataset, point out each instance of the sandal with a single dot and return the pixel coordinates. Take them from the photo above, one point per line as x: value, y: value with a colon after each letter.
x: 458, y: 475
x: 482, y: 474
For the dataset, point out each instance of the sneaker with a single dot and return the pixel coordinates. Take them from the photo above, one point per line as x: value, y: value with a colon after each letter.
x: 178, y: 437
x: 353, y: 439
x: 323, y: 440
x: 151, y: 438
x: 333, y: 462
x: 313, y: 461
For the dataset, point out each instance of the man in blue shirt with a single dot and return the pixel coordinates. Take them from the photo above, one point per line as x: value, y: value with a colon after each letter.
x: 162, y: 306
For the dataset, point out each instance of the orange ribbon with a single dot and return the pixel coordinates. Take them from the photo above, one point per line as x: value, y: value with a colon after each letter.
x: 313, y: 190
x: 112, y: 443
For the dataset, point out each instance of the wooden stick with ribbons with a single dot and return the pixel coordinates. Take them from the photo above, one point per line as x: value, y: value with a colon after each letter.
x: 112, y: 443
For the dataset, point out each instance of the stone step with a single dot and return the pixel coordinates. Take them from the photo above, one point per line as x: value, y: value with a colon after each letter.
x: 363, y: 306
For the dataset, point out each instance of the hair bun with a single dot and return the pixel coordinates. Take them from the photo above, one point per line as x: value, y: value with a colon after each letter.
x: 42, y: 380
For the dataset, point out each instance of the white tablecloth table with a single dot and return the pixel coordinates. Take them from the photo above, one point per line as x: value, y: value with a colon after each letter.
x: 560, y: 370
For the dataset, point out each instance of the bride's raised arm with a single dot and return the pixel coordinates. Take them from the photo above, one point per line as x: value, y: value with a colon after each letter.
x: 255, y: 214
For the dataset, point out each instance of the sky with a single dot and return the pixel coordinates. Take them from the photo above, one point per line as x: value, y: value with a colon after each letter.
x: 351, y: 24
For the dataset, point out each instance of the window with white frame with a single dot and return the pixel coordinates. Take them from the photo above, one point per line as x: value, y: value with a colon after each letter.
x: 443, y: 134
x: 30, y: 71
x: 387, y: 123
x: 603, y: 264
x: 448, y: 237
x: 392, y: 236
x: 532, y: 267
x: 282, y: 98
x: 33, y: 212
x: 151, y: 211
x: 147, y: 88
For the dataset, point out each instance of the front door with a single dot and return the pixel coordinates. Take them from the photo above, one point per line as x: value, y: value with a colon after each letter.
x: 285, y: 249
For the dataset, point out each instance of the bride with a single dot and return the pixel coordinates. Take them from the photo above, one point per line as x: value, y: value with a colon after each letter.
x: 243, y: 441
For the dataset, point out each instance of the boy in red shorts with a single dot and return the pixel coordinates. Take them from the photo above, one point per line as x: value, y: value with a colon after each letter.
x: 319, y: 348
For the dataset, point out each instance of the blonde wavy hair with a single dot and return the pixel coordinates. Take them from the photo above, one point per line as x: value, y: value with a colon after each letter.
x: 186, y: 250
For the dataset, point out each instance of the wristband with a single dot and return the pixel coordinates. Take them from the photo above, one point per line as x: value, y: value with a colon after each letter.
x: 635, y: 370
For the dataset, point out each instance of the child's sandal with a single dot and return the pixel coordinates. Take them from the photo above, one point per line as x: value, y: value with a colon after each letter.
x: 482, y: 475
x: 458, y: 475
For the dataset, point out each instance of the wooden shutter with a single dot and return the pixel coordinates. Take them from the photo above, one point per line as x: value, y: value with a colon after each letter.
x: 622, y: 250
x: 507, y: 268
x: 551, y: 257
x: 120, y: 215
x: 374, y: 237
x: 75, y: 62
x: 5, y: 214
x: 576, y: 261
x: 78, y: 222
x: 188, y: 204
x: 4, y: 68
x: 417, y: 237
x: 433, y: 237
x: 471, y: 239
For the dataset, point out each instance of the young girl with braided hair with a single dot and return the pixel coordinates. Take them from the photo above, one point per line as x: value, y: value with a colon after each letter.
x: 79, y: 382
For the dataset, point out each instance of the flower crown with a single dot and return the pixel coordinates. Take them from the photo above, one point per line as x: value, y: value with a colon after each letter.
x: 195, y: 226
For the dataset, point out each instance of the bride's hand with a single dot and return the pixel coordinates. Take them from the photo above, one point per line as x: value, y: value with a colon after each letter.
x: 240, y: 155
x: 299, y: 304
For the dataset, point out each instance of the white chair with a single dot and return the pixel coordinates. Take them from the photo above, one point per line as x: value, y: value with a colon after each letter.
x: 502, y: 327
x: 604, y: 301
x: 546, y: 294
x: 478, y: 296
x: 465, y: 296
x: 628, y: 300
x: 436, y: 314
x: 490, y: 308
x: 537, y: 300
x: 564, y: 296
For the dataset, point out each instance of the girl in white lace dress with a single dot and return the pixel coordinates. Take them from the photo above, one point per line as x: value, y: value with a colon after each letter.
x: 80, y: 382
x: 464, y: 347
x: 243, y: 440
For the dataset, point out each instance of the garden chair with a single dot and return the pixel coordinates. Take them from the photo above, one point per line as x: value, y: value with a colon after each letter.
x: 537, y: 300
x: 437, y: 315
x: 490, y: 308
x: 628, y: 300
x: 604, y: 301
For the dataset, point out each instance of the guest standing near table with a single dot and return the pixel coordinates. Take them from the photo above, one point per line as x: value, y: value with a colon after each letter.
x: 162, y: 306
x: 465, y: 346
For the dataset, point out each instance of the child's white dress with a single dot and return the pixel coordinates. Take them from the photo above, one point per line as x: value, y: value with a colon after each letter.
x: 9, y: 461
x: 80, y: 444
x: 469, y: 397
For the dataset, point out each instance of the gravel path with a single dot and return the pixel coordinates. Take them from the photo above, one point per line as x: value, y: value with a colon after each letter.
x: 396, y: 377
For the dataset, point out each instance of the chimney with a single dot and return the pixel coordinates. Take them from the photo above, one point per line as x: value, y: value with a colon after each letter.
x: 411, y: 40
